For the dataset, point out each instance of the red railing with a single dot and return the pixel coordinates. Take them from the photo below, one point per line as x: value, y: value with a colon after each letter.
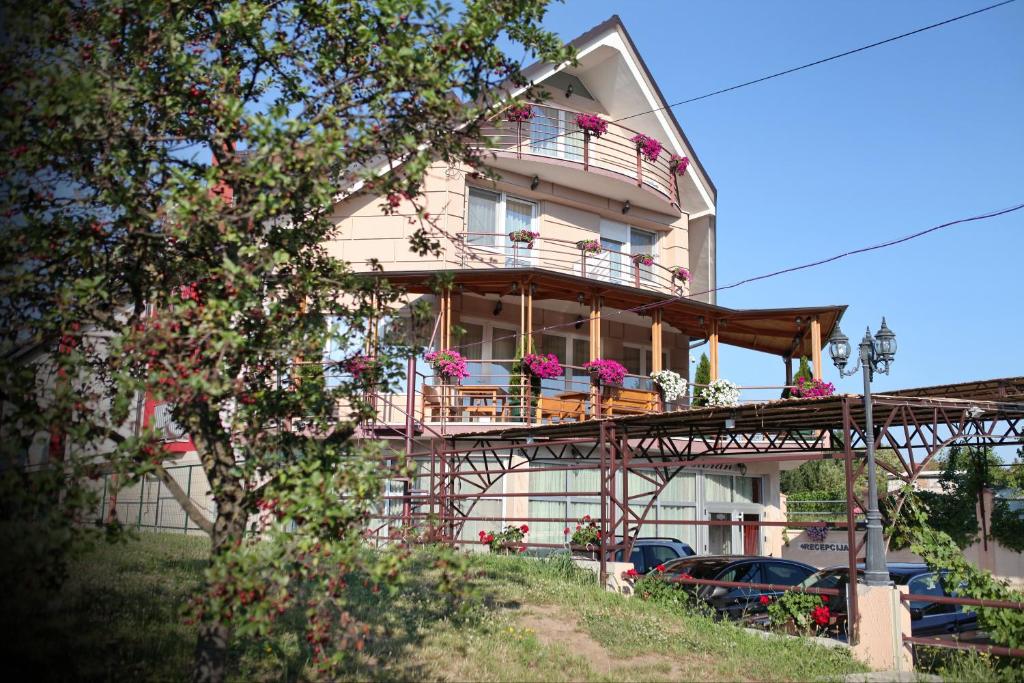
x: 960, y: 644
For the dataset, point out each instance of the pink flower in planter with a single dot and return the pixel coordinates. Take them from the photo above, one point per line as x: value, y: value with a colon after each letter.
x: 647, y: 146
x: 681, y: 273
x: 589, y: 246
x: 448, y: 363
x: 678, y: 164
x: 592, y: 123
x: 545, y: 367
x: 519, y: 114
x: 814, y: 388
x: 608, y: 371
x: 643, y: 259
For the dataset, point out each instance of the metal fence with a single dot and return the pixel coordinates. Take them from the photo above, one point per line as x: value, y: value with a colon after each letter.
x: 149, y: 505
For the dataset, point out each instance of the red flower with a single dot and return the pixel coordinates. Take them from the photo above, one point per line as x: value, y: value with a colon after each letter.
x: 522, y: 548
x: 685, y: 575
x: 482, y: 534
x: 566, y: 530
x: 821, y: 615
x: 578, y: 527
x: 525, y: 529
x: 631, y: 574
x: 586, y: 518
x: 660, y: 568
x: 489, y: 538
x: 765, y: 600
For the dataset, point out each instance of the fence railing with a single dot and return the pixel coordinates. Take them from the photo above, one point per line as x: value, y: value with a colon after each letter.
x: 482, y: 250
x: 148, y: 504
x: 552, y: 133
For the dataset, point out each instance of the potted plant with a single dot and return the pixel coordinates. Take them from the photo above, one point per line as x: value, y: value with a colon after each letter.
x: 448, y: 364
x: 592, y: 124
x: 524, y: 236
x: 799, y: 613
x: 643, y: 259
x: 543, y: 366
x: 720, y: 392
x: 507, y: 540
x: 680, y: 273
x: 587, y: 536
x: 677, y: 164
x: 647, y: 146
x: 589, y: 246
x: 670, y: 383
x: 606, y: 371
x: 519, y: 113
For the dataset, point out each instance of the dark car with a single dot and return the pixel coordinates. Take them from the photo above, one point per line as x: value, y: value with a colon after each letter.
x: 926, y: 618
x: 735, y: 602
x: 648, y: 553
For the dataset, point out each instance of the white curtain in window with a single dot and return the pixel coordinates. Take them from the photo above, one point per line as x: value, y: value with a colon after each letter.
x: 718, y: 488
x: 681, y: 488
x: 548, y: 532
x: 482, y: 222
x: 744, y: 489
x: 684, y: 532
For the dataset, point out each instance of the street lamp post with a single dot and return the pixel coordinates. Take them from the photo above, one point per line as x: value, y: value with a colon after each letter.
x: 876, y: 355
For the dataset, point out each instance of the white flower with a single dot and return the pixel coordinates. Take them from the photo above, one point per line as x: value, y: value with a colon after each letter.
x: 672, y: 384
x: 721, y: 392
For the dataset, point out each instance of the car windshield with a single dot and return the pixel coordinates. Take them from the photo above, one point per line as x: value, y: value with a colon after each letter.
x: 698, y: 569
x: 829, y: 578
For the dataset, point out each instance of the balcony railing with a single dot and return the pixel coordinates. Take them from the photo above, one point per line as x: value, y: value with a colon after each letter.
x: 552, y: 134
x: 493, y: 394
x: 475, y: 250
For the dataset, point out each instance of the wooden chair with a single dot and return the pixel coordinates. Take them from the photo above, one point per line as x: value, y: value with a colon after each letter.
x: 551, y: 407
x: 619, y: 401
x: 432, y: 402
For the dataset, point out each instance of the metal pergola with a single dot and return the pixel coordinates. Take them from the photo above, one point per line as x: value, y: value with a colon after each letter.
x: 915, y: 425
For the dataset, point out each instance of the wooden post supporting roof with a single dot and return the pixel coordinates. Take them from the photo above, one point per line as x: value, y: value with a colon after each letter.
x: 816, y: 346
x: 656, y: 340
x: 713, y: 348
x: 595, y: 327
x: 788, y: 360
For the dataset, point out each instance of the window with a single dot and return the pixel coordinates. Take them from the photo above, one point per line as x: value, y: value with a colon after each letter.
x: 782, y: 574
x: 659, y: 554
x: 928, y: 584
x: 489, y: 351
x: 491, y: 216
x: 620, y: 241
x: 554, y: 133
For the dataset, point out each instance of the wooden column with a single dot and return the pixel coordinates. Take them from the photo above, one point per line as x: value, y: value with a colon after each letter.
x: 788, y: 360
x: 713, y: 348
x: 656, y: 340
x: 522, y: 319
x: 530, y: 341
x: 595, y: 327
x: 816, y: 346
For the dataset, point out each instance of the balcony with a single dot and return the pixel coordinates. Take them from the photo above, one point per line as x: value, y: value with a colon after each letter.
x: 551, y: 146
x: 482, y: 251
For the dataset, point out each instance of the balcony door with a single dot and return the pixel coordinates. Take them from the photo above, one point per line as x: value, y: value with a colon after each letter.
x: 490, y: 218
x: 554, y: 133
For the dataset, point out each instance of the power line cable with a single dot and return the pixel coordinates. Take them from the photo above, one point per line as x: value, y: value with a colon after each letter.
x: 794, y: 69
x: 784, y: 271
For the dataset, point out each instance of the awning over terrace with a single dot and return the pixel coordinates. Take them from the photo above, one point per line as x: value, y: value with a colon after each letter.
x: 785, y: 332
x: 925, y: 418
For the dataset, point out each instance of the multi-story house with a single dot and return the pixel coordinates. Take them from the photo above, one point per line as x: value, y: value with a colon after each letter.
x: 598, y: 242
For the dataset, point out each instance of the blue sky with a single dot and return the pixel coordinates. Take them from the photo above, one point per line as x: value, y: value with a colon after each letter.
x: 850, y: 153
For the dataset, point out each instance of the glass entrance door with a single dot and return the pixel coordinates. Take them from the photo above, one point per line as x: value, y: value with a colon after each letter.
x: 720, y: 541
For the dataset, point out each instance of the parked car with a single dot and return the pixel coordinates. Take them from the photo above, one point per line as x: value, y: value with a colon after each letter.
x: 648, y: 553
x: 734, y: 602
x: 927, y: 619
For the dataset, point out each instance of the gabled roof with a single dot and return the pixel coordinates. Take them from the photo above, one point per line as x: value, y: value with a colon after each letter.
x: 597, y: 36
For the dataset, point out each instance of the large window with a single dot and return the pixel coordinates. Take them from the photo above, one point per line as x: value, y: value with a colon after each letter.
x: 554, y: 133
x: 676, y: 502
x: 489, y: 350
x: 620, y: 242
x: 491, y: 216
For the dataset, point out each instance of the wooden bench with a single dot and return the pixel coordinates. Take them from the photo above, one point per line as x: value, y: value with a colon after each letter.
x: 619, y: 401
x: 569, y: 406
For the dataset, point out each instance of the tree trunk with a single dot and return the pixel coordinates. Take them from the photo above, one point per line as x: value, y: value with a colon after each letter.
x: 211, y: 657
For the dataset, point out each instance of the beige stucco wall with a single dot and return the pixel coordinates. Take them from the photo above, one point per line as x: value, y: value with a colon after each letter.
x: 565, y: 213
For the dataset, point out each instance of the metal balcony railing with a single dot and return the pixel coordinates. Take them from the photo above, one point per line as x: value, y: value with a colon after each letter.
x: 552, y: 134
x: 478, y: 250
